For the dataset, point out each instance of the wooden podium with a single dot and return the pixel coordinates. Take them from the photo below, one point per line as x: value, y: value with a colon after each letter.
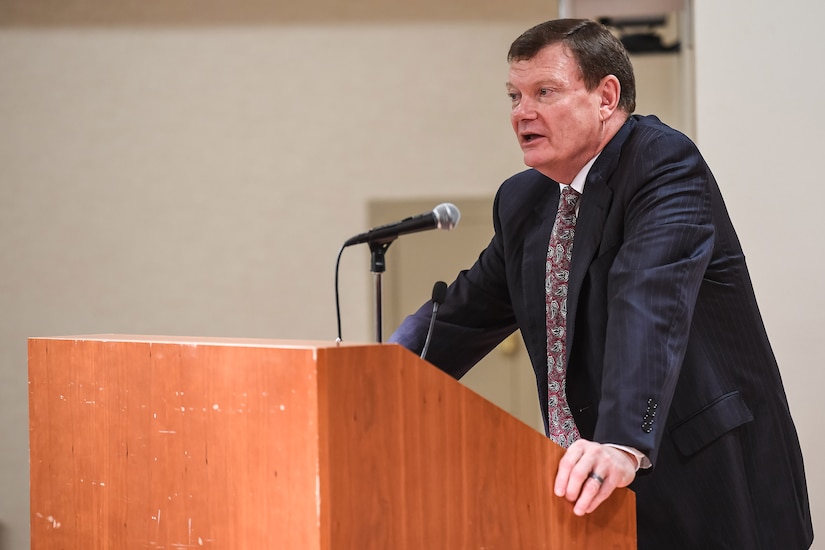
x: 176, y: 443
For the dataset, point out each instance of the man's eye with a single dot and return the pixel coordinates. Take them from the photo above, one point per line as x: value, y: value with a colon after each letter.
x: 513, y: 96
x: 544, y: 91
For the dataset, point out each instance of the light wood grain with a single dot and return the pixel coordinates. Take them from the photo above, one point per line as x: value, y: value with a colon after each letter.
x: 182, y: 443
x: 141, y: 445
x: 419, y: 458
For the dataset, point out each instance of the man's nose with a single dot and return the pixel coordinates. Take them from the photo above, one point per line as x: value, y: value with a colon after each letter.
x: 524, y: 109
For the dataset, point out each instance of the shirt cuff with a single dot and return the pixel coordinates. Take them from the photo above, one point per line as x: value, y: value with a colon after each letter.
x: 641, y: 460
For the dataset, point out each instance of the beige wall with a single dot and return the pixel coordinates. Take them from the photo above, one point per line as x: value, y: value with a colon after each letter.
x: 62, y: 13
x: 199, y: 179
x: 758, y: 122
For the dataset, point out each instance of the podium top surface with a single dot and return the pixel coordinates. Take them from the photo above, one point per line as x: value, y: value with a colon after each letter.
x: 207, y: 341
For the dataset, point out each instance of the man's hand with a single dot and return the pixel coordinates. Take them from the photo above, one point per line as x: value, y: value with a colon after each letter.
x: 589, y: 472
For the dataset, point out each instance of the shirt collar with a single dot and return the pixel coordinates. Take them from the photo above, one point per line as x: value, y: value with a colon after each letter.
x: 578, y: 181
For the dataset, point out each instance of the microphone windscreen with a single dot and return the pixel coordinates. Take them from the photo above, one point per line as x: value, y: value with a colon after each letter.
x: 446, y: 215
x: 439, y: 292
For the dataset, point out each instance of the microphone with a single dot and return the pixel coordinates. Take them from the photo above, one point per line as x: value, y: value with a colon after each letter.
x: 439, y: 294
x: 443, y: 216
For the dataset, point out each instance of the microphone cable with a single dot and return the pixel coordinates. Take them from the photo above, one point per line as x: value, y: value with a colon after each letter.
x: 337, y: 300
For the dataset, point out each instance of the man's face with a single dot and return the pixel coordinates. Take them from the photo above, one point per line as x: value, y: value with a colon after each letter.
x: 557, y: 121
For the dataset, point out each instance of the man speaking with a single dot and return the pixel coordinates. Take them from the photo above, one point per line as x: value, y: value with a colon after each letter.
x: 615, y: 257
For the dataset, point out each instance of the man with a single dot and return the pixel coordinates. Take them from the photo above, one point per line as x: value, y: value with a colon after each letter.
x: 652, y: 362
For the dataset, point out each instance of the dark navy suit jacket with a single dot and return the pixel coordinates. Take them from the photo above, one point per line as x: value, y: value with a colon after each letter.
x: 667, y: 349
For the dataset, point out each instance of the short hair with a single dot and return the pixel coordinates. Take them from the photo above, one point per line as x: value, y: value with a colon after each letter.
x: 597, y: 51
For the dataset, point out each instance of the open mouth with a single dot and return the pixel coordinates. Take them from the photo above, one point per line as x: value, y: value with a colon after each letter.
x: 530, y: 137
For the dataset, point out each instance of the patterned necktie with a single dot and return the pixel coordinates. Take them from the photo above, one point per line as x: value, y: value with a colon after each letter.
x: 562, y: 426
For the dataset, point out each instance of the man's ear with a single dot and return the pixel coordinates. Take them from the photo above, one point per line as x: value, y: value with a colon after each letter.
x: 610, y: 91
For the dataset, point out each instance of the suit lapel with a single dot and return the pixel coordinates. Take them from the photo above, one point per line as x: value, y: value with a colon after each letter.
x: 593, y: 209
x: 589, y: 229
x: 536, y: 242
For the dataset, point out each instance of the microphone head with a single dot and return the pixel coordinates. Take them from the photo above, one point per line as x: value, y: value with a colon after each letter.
x: 439, y: 292
x: 446, y: 215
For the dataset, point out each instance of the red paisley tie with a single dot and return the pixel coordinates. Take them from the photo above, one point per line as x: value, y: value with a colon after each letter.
x: 562, y: 426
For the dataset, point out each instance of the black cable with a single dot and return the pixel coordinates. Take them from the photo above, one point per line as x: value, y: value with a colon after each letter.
x: 337, y: 301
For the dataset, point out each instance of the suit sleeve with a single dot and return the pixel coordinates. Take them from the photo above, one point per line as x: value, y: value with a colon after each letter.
x: 475, y: 317
x: 652, y: 287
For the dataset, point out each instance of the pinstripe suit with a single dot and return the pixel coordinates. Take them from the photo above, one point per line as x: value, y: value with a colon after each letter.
x: 667, y: 349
